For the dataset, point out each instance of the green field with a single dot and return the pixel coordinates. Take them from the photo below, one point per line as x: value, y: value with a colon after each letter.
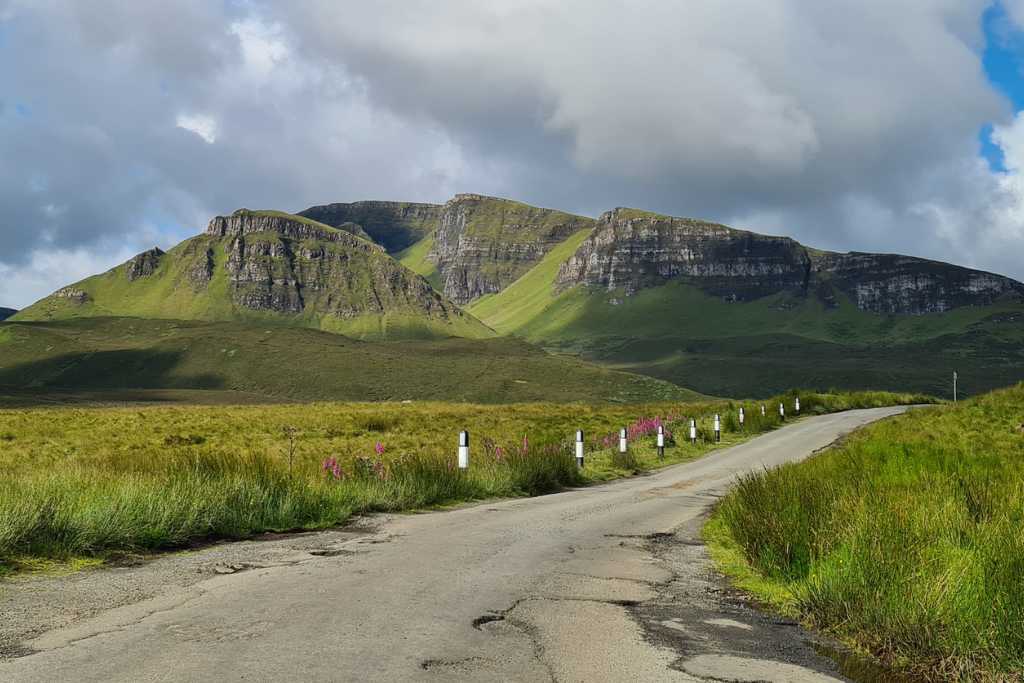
x: 905, y: 541
x: 88, y: 481
x: 294, y: 363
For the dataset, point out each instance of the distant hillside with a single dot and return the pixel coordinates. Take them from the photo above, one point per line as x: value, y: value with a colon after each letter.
x: 273, y: 267
x: 730, y: 312
x: 6, y: 313
x: 471, y: 246
x: 630, y: 250
x: 300, y: 364
x: 723, y: 311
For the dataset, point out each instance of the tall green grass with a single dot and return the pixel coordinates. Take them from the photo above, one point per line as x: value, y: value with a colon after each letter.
x: 908, y: 540
x: 87, y: 481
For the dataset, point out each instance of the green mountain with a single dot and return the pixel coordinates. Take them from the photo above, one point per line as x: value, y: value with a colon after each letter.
x: 698, y: 304
x: 730, y: 312
x: 296, y: 363
x: 269, y: 267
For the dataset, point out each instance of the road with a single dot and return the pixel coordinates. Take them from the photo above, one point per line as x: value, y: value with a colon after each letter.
x: 604, y: 583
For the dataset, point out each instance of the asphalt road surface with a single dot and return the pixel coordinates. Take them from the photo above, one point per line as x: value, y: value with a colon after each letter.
x: 606, y: 583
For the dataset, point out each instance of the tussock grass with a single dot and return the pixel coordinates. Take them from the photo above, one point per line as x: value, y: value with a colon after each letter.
x: 82, y: 482
x: 907, y: 540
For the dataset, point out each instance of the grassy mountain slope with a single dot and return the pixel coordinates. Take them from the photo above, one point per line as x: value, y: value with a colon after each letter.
x: 417, y: 259
x: 679, y: 333
x: 527, y: 298
x: 270, y: 268
x: 301, y: 364
x: 483, y: 244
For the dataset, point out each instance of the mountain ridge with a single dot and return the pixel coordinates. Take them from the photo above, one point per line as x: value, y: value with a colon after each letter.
x: 717, y: 309
x: 631, y: 250
x: 274, y: 267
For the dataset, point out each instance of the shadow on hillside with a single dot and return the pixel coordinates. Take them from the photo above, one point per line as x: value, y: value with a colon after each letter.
x: 123, y: 369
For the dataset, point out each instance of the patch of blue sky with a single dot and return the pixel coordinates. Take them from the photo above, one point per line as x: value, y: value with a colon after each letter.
x: 1003, y: 60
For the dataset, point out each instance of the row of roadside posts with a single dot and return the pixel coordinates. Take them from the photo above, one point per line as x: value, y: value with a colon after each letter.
x: 624, y: 438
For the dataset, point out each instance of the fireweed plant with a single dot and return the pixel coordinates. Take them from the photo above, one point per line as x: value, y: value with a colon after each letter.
x: 87, y: 481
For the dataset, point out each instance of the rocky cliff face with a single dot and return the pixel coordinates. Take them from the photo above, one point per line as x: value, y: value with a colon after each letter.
x: 285, y: 265
x: 393, y: 225
x: 631, y: 249
x: 483, y: 244
x: 888, y: 283
x: 143, y: 265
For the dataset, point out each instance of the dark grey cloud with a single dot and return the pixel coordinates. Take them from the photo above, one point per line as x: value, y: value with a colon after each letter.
x: 848, y: 125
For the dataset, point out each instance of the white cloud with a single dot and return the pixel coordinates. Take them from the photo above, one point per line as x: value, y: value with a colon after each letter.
x: 203, y: 126
x: 263, y: 47
x: 851, y: 124
x: 49, y: 269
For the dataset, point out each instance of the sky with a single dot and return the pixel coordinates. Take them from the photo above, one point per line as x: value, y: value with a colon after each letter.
x: 867, y: 125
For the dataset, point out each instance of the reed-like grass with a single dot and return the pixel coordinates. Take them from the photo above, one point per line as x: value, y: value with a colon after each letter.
x: 908, y: 540
x: 86, y: 481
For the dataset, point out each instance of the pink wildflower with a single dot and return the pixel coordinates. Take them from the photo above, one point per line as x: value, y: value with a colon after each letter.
x: 379, y: 448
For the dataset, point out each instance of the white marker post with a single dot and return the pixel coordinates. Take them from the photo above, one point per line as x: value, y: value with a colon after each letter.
x: 693, y: 432
x: 661, y: 441
x: 955, y: 377
x: 463, y: 450
x: 579, y: 448
x: 796, y: 404
x: 623, y: 443
x: 782, y: 411
x: 718, y: 428
x: 742, y: 417
x: 762, y: 410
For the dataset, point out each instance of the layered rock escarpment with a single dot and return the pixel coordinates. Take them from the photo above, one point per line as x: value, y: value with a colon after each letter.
x: 483, y: 244
x: 393, y: 225
x: 630, y: 250
x: 889, y: 283
x: 279, y: 263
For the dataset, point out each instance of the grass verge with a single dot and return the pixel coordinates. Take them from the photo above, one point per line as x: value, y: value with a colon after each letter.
x: 85, y: 482
x: 905, y: 540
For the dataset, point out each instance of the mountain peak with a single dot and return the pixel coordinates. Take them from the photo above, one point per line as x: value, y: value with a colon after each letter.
x: 259, y: 265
